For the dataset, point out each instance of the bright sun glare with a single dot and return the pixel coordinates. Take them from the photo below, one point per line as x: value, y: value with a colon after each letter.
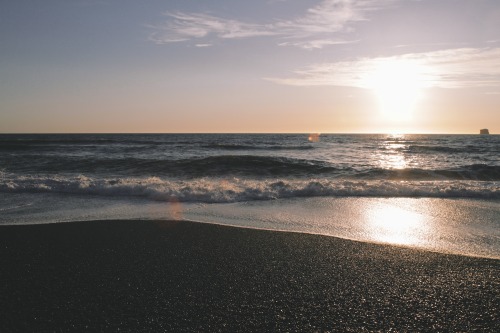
x: 398, y: 86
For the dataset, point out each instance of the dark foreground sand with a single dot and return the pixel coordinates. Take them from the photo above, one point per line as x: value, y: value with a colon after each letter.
x: 182, y: 276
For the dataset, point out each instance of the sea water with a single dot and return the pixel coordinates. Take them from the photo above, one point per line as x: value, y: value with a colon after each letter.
x: 438, y: 192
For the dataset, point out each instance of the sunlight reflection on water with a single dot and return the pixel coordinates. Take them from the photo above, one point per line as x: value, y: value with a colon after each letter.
x: 392, y: 156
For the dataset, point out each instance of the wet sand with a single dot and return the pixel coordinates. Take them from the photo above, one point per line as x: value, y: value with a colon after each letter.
x: 184, y: 276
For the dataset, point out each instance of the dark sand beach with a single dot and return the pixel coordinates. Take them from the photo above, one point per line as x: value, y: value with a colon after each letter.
x: 183, y: 276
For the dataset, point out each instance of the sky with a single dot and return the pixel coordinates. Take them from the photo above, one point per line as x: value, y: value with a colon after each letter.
x: 226, y: 66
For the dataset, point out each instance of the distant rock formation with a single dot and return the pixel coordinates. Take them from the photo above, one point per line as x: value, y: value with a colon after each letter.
x: 484, y: 131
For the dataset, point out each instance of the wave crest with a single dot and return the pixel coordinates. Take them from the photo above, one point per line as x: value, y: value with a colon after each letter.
x: 238, y: 166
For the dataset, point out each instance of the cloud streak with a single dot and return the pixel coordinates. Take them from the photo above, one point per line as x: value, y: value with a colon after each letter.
x: 316, y: 43
x: 452, y: 68
x: 183, y: 27
x: 329, y: 16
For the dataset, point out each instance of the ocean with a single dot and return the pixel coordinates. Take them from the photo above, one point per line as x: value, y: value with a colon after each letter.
x: 438, y: 192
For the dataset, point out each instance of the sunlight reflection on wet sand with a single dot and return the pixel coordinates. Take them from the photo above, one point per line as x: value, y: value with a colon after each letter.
x: 395, y: 225
x: 461, y: 226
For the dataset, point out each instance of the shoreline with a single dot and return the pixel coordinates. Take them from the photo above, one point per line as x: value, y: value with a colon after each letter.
x: 453, y: 226
x: 408, y: 247
x: 190, y: 276
x: 380, y: 243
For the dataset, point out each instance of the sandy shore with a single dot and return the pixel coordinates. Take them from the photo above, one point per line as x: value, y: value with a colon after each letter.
x: 183, y: 276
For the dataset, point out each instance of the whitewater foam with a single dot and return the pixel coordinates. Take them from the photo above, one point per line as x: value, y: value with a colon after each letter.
x: 232, y: 189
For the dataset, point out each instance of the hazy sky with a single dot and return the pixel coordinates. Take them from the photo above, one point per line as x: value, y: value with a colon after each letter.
x: 430, y: 66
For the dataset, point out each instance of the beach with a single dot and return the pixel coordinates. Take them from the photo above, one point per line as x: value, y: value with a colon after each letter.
x: 185, y: 276
x: 250, y: 166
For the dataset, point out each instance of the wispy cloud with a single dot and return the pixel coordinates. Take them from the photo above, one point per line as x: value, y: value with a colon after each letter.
x: 452, y: 68
x: 183, y: 27
x: 203, y: 45
x: 316, y: 43
x: 329, y: 16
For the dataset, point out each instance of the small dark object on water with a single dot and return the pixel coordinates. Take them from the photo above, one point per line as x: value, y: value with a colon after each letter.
x: 484, y: 131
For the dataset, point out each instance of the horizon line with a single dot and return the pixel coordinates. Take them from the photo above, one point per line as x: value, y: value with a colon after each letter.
x: 243, y: 133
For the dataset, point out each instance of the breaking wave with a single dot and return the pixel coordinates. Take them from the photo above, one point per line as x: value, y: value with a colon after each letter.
x: 212, y: 190
x: 468, y: 172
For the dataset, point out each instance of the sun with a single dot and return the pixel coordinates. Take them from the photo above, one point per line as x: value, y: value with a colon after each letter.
x: 398, y: 86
